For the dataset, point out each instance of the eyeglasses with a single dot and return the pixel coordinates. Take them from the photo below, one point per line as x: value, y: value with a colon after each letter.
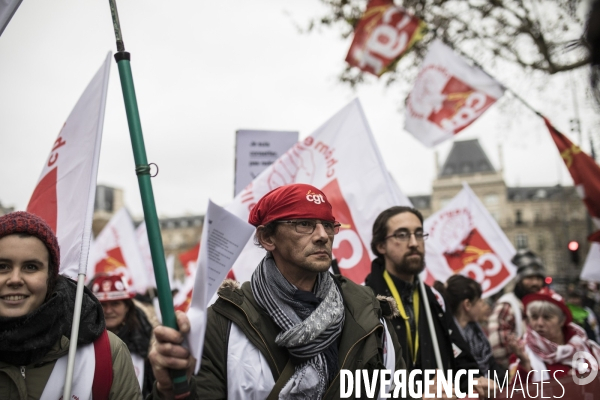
x: 308, y: 226
x: 404, y: 236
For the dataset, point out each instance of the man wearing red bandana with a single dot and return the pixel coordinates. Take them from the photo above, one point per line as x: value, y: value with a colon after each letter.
x: 289, y: 331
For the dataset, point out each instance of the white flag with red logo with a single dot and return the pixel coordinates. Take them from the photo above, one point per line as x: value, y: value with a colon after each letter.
x: 342, y: 159
x: 116, y: 250
x: 64, y: 194
x: 383, y: 35
x: 447, y: 96
x: 465, y: 239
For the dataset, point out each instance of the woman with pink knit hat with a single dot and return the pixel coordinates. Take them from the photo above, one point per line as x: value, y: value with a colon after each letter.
x: 36, y: 314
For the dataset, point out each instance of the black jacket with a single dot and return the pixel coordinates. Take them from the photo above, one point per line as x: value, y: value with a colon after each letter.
x: 446, y: 331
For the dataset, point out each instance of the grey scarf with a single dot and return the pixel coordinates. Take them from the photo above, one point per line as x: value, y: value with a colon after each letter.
x: 305, y: 335
x: 478, y: 344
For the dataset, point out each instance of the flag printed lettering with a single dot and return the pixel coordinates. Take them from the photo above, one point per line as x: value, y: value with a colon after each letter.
x: 460, y: 106
x: 54, y: 154
x: 383, y: 35
x: 477, y: 260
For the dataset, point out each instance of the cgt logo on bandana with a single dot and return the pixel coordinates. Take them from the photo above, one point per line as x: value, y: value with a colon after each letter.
x: 314, y: 197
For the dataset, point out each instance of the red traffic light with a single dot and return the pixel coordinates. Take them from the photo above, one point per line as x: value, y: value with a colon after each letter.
x: 548, y: 280
x: 573, y: 245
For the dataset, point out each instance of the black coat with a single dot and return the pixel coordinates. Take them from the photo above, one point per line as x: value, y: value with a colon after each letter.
x: 446, y: 331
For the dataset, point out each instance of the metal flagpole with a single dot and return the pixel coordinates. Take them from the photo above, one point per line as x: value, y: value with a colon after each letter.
x: 142, y: 170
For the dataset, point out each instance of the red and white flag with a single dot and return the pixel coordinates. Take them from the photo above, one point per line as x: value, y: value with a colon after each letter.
x: 116, y: 250
x: 583, y: 169
x: 64, y: 195
x: 8, y: 8
x: 342, y: 159
x: 189, y: 261
x: 448, y: 95
x: 384, y: 33
x: 465, y: 239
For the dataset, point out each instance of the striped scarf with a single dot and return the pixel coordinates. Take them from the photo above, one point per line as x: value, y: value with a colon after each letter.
x: 552, y: 353
x: 304, y: 333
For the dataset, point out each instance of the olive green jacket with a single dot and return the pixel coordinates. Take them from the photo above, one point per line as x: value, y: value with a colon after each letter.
x: 360, y: 344
x: 28, y: 382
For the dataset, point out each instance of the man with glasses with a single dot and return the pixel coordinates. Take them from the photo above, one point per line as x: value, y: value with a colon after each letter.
x: 288, y: 332
x: 399, y: 244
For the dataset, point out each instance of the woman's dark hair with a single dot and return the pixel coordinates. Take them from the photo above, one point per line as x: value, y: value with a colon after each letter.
x: 457, y: 289
x: 131, y: 319
x: 380, y: 224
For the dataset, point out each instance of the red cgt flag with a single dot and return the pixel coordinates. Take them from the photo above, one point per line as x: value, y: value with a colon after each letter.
x: 382, y: 36
x: 584, y: 171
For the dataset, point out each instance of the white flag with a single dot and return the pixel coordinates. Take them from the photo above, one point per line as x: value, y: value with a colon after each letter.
x: 342, y: 159
x: 464, y: 238
x: 448, y: 95
x: 7, y: 10
x: 116, y: 250
x: 64, y: 195
x: 591, y: 268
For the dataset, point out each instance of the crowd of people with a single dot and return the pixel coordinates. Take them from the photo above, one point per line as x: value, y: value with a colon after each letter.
x: 290, y: 331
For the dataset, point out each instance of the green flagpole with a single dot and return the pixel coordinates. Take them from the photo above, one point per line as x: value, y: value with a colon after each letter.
x: 142, y: 170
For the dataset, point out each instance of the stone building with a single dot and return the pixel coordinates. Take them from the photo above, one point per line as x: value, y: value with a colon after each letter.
x: 544, y: 219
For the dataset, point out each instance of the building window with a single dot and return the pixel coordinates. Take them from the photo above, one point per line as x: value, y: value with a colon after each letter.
x: 541, y: 243
x: 490, y: 199
x: 518, y: 217
x: 521, y: 241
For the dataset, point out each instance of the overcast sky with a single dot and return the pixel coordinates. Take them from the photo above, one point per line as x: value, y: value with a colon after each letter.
x: 204, y: 69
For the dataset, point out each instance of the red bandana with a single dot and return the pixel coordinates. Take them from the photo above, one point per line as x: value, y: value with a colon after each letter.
x: 291, y: 202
